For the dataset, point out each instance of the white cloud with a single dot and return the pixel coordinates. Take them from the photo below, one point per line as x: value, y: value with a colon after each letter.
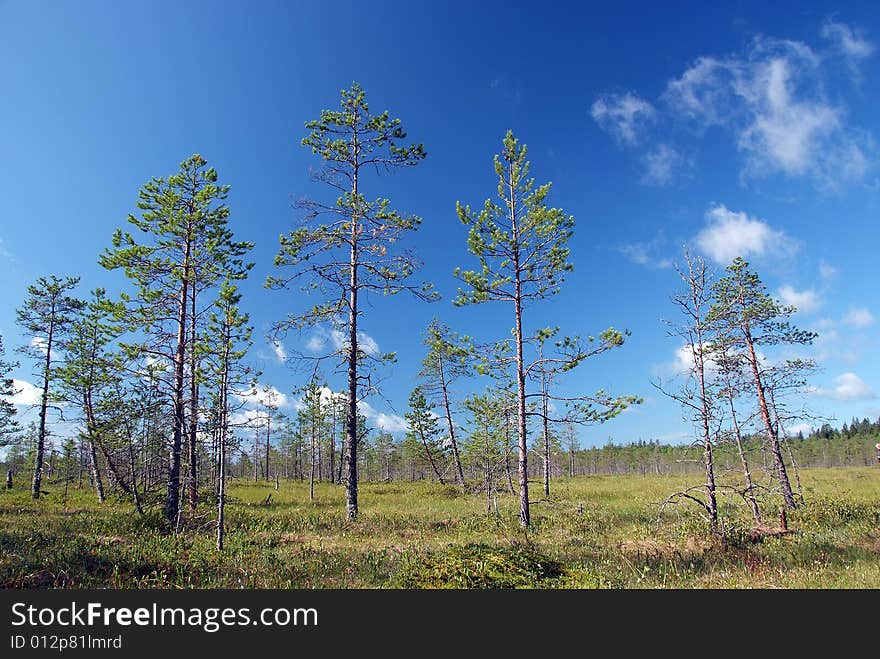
x: 784, y: 133
x: 847, y: 386
x: 859, y: 317
x: 826, y: 270
x: 846, y: 40
x: 280, y: 352
x: 391, y: 422
x: 730, y: 234
x: 806, y: 301
x: 700, y: 93
x: 315, y: 343
x: 383, y: 421
x: 327, y: 395
x: 368, y: 344
x: 642, y: 254
x: 41, y: 343
x: 249, y: 419
x: 622, y: 115
x: 365, y: 342
x: 772, y: 99
x: 366, y: 409
x: 792, y: 431
x: 660, y: 165
x: 683, y: 363
x: 25, y: 393
x: 262, y: 395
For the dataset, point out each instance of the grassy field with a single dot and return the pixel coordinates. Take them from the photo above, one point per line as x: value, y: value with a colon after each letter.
x: 413, y: 535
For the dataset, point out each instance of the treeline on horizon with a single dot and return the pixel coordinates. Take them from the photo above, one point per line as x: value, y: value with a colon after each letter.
x: 385, y: 459
x: 159, y: 383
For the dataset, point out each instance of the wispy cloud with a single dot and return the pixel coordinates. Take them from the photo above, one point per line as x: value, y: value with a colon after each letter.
x: 280, y: 352
x: 847, y: 386
x: 859, y: 317
x: 622, y: 115
x: 773, y: 99
x: 729, y: 234
x: 660, y: 165
x: 846, y: 40
x: 826, y: 270
x: 644, y: 254
x: 5, y: 253
x: 806, y: 301
x: 320, y: 338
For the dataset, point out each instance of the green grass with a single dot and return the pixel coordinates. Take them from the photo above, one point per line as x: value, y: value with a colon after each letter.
x: 423, y: 535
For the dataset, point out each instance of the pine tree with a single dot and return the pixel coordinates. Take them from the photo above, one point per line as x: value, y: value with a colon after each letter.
x: 90, y: 370
x: 485, y: 447
x: 229, y: 336
x: 449, y: 358
x: 750, y: 317
x: 8, y: 421
x: 522, y: 248
x: 188, y: 246
x: 423, y: 428
x: 354, y: 251
x: 46, y: 315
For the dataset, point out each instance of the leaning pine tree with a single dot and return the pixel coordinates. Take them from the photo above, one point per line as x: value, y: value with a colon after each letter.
x: 90, y: 372
x: 449, y: 358
x: 423, y: 427
x: 348, y: 247
x: 748, y: 317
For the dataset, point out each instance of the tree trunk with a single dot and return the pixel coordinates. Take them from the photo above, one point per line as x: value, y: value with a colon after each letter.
x: 342, y: 454
x: 545, y: 426
x: 459, y: 473
x: 351, y: 421
x: 268, y: 434
x: 111, y: 465
x: 488, y: 484
x: 96, y: 472
x: 431, y: 458
x: 775, y: 449
x: 312, y: 462
x: 221, y: 459
x: 747, y: 474
x: 705, y: 410
x: 44, y: 403
x: 781, y: 430
x: 131, y: 466
x: 524, y: 516
x: 193, y: 408
x: 172, y: 497
x: 256, y: 460
x: 332, y: 465
x: 510, y: 486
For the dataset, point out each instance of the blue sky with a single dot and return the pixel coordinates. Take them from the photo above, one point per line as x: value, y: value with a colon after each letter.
x: 744, y: 128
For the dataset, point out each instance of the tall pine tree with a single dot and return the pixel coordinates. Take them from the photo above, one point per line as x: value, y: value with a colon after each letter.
x: 348, y: 247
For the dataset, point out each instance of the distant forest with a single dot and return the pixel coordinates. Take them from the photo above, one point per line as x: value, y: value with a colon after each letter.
x: 385, y: 459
